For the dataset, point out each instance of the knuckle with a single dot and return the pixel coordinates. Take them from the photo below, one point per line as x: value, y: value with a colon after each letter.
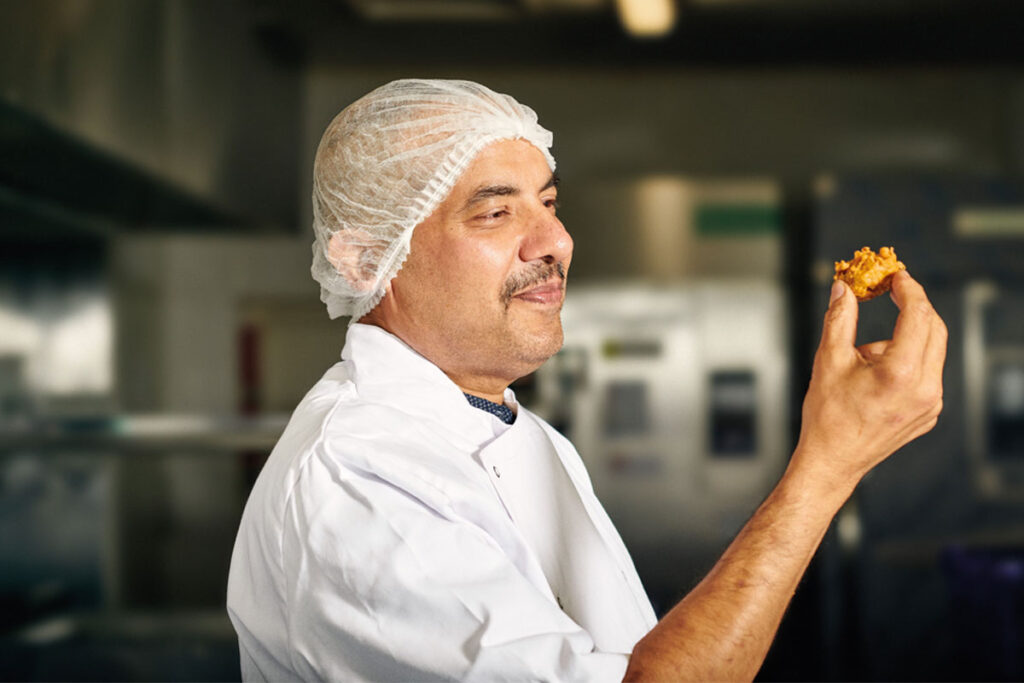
x: 922, y: 308
x: 930, y: 393
x: 929, y: 414
x: 896, y: 374
x: 925, y: 427
x: 929, y: 398
x: 927, y: 406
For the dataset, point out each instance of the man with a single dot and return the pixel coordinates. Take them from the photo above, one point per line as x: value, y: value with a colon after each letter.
x: 415, y: 523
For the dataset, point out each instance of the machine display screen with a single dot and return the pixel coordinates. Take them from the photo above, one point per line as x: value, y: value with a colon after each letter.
x: 1006, y: 411
x: 733, y: 414
x: 626, y: 410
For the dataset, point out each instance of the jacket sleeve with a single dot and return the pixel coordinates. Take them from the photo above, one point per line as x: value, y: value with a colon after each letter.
x: 381, y: 587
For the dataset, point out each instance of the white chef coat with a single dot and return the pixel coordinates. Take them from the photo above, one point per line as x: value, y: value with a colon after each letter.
x: 381, y: 541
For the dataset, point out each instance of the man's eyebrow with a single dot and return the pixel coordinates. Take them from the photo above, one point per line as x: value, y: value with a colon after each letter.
x: 488, y: 191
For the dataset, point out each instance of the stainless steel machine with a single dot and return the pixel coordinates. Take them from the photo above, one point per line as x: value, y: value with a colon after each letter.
x: 676, y: 398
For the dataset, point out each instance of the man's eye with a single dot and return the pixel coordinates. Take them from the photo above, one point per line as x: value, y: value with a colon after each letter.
x: 552, y: 203
x: 493, y: 215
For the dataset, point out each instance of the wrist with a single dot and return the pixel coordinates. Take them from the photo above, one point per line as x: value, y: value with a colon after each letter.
x: 813, y: 477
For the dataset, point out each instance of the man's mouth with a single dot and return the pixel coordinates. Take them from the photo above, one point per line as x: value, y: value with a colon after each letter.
x: 544, y: 285
x: 549, y: 292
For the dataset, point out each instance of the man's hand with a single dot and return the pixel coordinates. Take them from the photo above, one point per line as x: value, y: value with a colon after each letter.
x: 866, y: 402
x: 863, y: 404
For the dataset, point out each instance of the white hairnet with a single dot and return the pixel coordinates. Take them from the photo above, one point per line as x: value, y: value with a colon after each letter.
x: 383, y: 166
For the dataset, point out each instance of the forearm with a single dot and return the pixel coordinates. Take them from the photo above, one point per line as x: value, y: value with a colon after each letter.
x: 723, y: 629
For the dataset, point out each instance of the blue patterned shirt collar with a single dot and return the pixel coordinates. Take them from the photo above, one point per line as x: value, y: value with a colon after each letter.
x: 499, y: 410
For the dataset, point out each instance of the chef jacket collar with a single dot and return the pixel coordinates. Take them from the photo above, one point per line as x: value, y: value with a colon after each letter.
x: 388, y: 371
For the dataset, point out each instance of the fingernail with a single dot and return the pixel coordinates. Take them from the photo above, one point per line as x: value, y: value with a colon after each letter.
x: 837, y: 291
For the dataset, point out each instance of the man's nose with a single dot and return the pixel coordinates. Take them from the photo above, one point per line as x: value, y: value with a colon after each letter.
x: 546, y: 239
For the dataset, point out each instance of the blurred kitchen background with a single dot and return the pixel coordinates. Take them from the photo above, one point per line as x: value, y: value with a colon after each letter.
x: 158, y: 322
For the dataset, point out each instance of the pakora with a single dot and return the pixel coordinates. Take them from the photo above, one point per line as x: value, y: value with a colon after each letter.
x: 869, y: 274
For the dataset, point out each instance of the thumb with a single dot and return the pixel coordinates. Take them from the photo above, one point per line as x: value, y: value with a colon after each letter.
x: 840, y: 328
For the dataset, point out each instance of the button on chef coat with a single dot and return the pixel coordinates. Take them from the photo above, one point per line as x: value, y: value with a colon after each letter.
x: 380, y: 542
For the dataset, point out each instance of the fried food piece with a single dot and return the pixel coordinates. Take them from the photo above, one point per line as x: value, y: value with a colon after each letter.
x: 869, y: 274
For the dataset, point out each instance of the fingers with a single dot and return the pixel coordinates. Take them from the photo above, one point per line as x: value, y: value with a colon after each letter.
x: 919, y: 340
x: 903, y: 286
x: 840, y: 328
x: 915, y: 324
x: 935, y: 351
x: 874, y: 350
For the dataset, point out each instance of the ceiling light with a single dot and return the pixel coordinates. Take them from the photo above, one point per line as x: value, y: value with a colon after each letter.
x: 647, y: 18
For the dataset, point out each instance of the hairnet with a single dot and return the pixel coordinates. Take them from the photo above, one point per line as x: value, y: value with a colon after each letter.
x: 385, y: 163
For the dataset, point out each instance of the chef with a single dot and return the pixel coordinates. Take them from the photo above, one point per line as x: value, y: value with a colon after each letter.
x: 414, y: 522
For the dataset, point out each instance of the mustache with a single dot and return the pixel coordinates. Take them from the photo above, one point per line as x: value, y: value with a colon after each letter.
x: 529, y: 278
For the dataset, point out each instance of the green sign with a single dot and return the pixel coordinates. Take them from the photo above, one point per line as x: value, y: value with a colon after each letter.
x: 737, y: 220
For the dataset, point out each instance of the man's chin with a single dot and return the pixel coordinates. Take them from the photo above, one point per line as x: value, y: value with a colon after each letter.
x: 541, y: 346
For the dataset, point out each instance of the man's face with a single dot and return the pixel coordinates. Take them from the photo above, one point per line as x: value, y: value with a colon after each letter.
x: 481, y: 292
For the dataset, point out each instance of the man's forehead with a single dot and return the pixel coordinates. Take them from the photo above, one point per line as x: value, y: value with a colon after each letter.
x: 515, y: 157
x: 504, y: 161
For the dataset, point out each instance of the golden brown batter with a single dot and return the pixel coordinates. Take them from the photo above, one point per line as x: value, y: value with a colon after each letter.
x: 869, y: 274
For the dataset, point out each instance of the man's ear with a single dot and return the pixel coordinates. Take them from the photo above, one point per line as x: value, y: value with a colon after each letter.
x: 348, y: 253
